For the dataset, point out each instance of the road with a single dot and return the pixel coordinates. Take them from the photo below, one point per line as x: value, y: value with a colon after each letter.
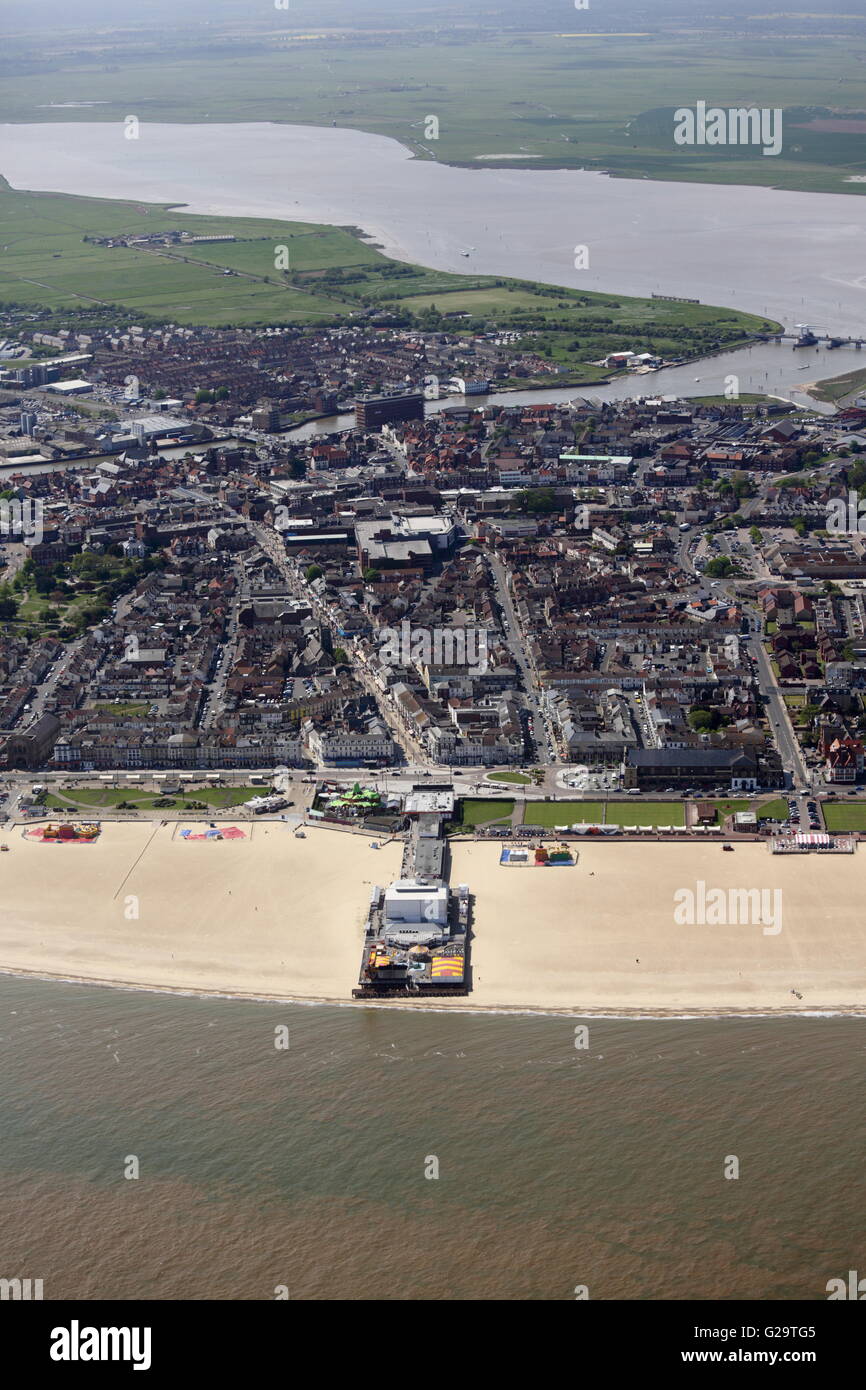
x: 783, y: 730
x: 270, y: 542
x: 518, y: 651
x: 44, y: 698
x: 781, y: 726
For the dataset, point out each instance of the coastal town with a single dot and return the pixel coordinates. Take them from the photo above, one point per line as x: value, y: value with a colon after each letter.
x: 432, y: 671
x: 656, y: 595
x: 328, y: 591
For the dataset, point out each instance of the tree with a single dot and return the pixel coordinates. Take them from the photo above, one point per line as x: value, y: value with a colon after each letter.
x: 538, y: 501
x: 372, y: 576
x: 701, y: 719
x: 719, y: 568
x: 341, y: 657
x: 313, y: 572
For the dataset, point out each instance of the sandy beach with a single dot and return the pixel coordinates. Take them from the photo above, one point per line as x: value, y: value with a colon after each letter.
x: 602, y: 936
x: 268, y: 915
x: 272, y: 916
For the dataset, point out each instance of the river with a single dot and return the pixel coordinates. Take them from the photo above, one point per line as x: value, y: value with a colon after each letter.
x: 793, y: 256
x: 777, y: 369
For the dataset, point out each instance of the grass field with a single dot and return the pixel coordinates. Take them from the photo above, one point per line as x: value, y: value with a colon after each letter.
x: 570, y: 99
x: 837, y: 388
x: 639, y: 812
x: 635, y: 812
x: 730, y: 808
x: 130, y: 707
x: 333, y: 277
x: 518, y: 779
x: 849, y: 815
x: 550, y: 813
x: 486, y: 812
x: 744, y: 398
x: 46, y: 262
x: 774, y: 810
x: 108, y: 798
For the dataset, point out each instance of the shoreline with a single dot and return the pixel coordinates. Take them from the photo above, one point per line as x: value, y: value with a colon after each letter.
x: 591, y: 197
x: 268, y: 918
x: 422, y: 154
x: 443, y: 1006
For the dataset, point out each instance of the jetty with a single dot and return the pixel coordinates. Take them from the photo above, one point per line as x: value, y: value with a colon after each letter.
x: 417, y: 933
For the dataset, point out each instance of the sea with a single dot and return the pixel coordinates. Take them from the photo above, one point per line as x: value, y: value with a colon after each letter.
x: 163, y: 1147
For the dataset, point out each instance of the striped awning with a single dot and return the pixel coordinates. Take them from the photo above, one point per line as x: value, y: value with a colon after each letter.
x: 447, y: 968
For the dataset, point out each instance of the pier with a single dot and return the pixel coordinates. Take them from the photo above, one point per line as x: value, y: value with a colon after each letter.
x: 416, y: 939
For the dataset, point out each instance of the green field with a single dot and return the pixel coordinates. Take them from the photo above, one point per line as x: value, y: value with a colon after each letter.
x: 645, y: 813
x: 502, y: 92
x: 838, y: 388
x: 487, y: 812
x: 635, y: 812
x: 519, y: 779
x: 333, y: 277
x: 130, y: 707
x: 551, y: 813
x: 774, y: 810
x: 849, y: 815
x: 744, y: 398
x: 730, y: 808
x: 108, y: 798
x: 46, y: 262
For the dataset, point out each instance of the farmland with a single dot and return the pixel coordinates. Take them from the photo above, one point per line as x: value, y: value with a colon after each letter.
x: 579, y: 99
x: 52, y: 257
